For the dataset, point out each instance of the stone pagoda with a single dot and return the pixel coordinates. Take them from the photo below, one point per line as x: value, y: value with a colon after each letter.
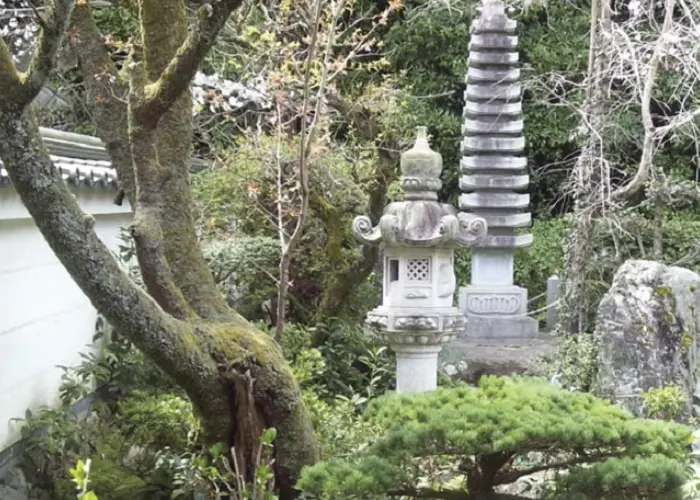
x: 494, y: 178
x: 418, y: 236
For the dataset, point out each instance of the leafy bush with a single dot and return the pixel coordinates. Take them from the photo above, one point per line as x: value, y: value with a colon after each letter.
x: 354, y: 362
x: 666, y: 403
x: 575, y: 364
x: 245, y: 268
x: 477, y: 439
x: 158, y: 420
x: 238, y: 199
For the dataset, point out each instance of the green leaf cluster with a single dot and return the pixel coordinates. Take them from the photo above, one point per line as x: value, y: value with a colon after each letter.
x: 493, y: 432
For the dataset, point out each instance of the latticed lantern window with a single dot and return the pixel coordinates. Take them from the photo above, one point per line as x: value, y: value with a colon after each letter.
x: 418, y: 270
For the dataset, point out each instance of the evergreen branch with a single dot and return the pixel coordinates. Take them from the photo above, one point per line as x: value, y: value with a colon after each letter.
x: 53, y: 27
x: 429, y: 493
x: 514, y: 475
x: 176, y: 77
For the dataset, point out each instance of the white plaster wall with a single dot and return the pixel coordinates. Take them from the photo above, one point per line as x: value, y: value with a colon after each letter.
x: 45, y: 320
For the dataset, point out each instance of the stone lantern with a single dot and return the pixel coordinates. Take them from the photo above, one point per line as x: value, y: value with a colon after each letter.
x: 418, y: 236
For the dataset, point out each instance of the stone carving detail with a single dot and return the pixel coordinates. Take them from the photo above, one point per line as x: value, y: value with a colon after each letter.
x: 418, y: 269
x: 420, y: 184
x: 377, y: 320
x: 412, y: 223
x: 493, y: 304
x: 454, y: 323
x: 363, y: 230
x: 447, y: 282
x: 416, y: 323
x: 416, y: 294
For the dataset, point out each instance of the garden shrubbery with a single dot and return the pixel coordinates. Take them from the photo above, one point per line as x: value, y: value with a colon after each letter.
x: 467, y: 442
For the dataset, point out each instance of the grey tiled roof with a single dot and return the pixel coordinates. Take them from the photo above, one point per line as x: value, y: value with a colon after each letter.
x: 82, y: 160
x: 79, y: 173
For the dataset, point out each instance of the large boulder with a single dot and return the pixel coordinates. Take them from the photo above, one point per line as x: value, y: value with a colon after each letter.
x: 646, y: 329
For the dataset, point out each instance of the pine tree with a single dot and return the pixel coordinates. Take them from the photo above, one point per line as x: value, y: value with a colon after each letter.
x: 507, y: 428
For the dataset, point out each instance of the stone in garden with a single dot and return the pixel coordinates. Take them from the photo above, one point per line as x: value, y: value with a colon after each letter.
x: 418, y: 236
x: 647, y: 332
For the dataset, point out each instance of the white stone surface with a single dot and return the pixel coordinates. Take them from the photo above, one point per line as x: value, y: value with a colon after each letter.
x: 552, y: 298
x: 492, y: 267
x: 45, y: 319
x: 416, y: 367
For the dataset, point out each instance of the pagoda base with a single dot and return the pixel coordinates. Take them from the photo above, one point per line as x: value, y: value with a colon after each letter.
x: 496, y: 312
x: 500, y: 328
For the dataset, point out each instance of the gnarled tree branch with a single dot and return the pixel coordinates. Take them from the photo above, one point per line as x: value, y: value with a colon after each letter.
x: 70, y: 234
x: 174, y: 135
x: 650, y: 133
x: 176, y: 77
x: 53, y: 27
x: 107, y: 93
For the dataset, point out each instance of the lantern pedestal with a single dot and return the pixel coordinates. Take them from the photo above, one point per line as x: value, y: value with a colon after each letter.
x: 416, y: 367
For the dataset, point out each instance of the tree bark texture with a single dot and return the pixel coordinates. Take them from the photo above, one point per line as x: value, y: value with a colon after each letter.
x: 586, y: 185
x: 235, y: 375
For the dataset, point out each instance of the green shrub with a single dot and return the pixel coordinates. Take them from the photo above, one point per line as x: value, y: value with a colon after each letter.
x: 158, y: 420
x: 354, y: 361
x: 666, y: 403
x: 575, y: 364
x: 245, y: 270
x: 478, y: 438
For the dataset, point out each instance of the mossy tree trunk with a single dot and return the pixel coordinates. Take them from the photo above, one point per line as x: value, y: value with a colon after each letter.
x: 235, y: 375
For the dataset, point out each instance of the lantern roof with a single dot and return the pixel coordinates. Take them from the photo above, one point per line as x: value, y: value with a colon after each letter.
x: 420, y: 220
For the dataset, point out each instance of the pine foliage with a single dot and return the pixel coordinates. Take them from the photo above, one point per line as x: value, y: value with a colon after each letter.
x: 503, y: 430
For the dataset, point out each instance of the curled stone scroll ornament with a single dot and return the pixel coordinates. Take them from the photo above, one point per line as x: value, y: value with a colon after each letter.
x: 363, y: 230
x: 389, y: 229
x: 473, y: 230
x: 449, y: 228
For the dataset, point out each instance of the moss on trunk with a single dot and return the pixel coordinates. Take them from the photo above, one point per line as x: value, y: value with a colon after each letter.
x: 235, y: 375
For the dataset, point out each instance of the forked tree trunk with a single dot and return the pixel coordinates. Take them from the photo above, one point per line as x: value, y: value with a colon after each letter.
x: 235, y: 375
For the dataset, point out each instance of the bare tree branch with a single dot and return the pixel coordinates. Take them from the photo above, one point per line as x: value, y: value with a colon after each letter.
x: 106, y: 91
x: 650, y: 133
x: 305, y: 144
x: 53, y: 27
